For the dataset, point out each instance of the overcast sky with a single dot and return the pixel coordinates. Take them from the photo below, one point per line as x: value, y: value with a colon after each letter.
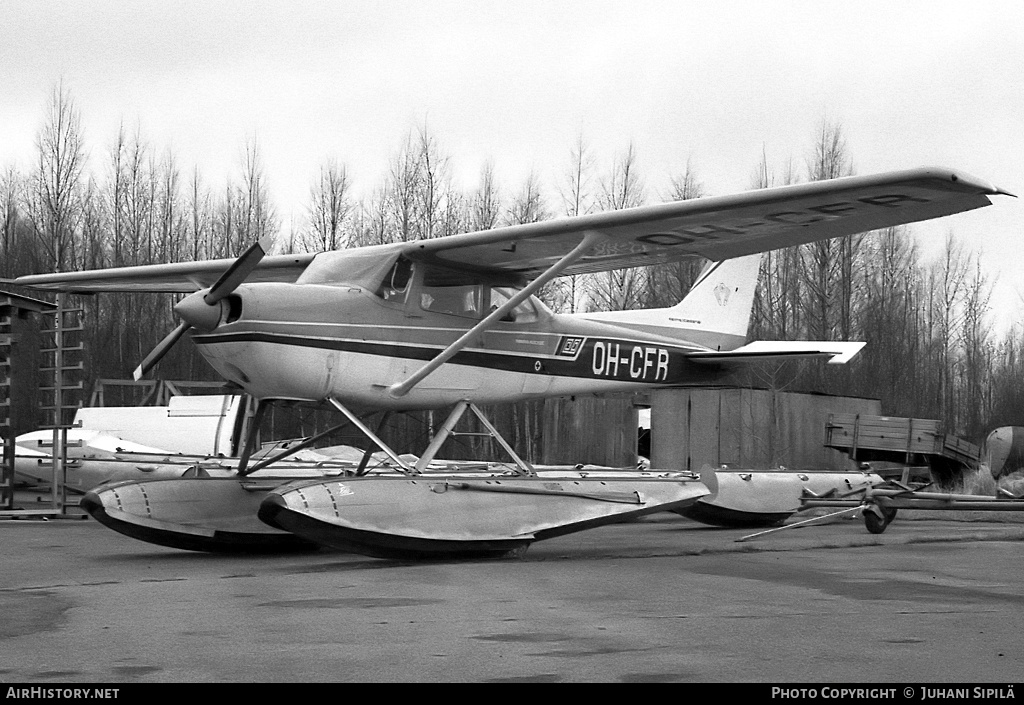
x: 913, y: 83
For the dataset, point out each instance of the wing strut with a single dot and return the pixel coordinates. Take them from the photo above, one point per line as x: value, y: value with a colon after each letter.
x: 590, y: 239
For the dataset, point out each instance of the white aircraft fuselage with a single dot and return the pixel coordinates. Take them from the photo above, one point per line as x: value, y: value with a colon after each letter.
x: 305, y: 342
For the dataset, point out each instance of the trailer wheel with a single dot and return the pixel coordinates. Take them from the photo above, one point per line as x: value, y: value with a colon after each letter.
x: 876, y: 524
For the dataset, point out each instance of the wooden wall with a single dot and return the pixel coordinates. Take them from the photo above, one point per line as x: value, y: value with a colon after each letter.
x: 562, y: 431
x: 589, y: 430
x: 747, y: 428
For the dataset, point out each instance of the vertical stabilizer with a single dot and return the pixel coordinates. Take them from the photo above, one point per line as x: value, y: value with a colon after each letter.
x: 722, y: 298
x: 715, y: 312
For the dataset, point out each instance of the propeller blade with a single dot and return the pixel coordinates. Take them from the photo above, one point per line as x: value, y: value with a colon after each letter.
x: 160, y: 350
x: 234, y: 275
x: 239, y: 270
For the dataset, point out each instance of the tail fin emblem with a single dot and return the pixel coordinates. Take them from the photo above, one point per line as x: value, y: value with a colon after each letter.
x: 722, y: 294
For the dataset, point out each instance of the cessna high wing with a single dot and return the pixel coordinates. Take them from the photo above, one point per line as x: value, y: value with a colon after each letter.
x: 455, y: 320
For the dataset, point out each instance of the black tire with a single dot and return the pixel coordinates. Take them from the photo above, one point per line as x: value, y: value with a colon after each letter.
x: 877, y: 524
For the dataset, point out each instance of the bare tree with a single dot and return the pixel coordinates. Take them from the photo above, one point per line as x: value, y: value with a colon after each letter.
x: 16, y: 251
x: 668, y: 283
x: 945, y: 289
x: 577, y: 194
x: 567, y: 293
x: 455, y: 216
x: 780, y: 295
x: 435, y: 192
x: 138, y: 202
x: 225, y: 239
x: 116, y: 198
x: 199, y: 217
x: 828, y: 264
x: 889, y: 322
x: 1007, y: 407
x: 58, y: 178
x: 976, y: 393
x: 372, y: 224
x: 258, y: 216
x: 485, y: 204
x: 94, y: 227
x: 405, y: 179
x: 528, y: 205
x: 687, y: 185
x: 169, y: 210
x: 329, y: 208
x: 623, y: 187
x: 621, y: 289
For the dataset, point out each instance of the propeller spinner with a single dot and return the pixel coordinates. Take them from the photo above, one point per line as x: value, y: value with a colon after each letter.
x: 202, y: 309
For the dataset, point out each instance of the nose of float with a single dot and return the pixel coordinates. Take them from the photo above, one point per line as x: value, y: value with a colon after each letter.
x: 199, y: 314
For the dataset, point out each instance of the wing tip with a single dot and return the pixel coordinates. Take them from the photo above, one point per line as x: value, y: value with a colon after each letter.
x: 962, y: 178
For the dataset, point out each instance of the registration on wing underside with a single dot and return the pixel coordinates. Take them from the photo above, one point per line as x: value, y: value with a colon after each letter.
x: 785, y: 217
x: 692, y: 234
x: 617, y: 248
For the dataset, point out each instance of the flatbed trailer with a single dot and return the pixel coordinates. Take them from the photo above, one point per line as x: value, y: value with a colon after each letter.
x: 905, y: 441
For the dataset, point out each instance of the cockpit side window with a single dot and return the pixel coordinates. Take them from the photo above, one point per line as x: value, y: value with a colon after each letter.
x: 458, y: 300
x: 396, y: 282
x: 452, y: 292
x: 460, y: 293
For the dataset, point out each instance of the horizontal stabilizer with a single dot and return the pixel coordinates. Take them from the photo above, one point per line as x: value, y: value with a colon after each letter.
x: 839, y: 353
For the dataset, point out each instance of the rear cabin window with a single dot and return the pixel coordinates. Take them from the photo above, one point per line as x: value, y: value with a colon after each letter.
x: 525, y: 312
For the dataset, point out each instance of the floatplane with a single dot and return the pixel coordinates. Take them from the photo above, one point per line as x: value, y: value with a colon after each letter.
x: 456, y: 321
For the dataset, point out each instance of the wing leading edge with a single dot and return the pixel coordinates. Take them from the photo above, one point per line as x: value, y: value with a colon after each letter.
x: 183, y: 277
x: 720, y: 227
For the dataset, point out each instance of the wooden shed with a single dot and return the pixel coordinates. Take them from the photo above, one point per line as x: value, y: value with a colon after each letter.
x: 747, y: 428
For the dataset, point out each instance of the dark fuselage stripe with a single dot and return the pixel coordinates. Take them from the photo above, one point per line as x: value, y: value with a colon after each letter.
x: 671, y: 369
